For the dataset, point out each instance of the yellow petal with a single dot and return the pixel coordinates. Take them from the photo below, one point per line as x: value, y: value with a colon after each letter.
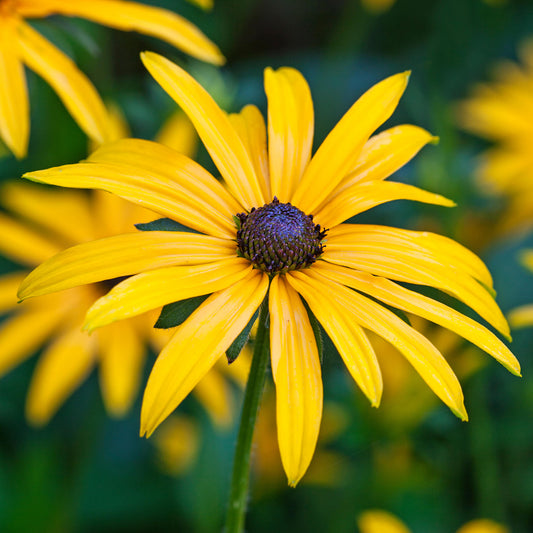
x: 51, y: 209
x: 250, y: 126
x: 23, y: 244
x: 297, y: 375
x: 375, y: 521
x: 361, y: 197
x: 8, y: 290
x: 521, y: 317
x: 179, y: 134
x: 122, y: 255
x: 213, y: 126
x: 121, y: 360
x: 59, y: 372
x: 343, y: 329
x: 14, y: 103
x: 214, y: 393
x: 416, y: 257
x: 148, y: 189
x: 149, y: 20
x: 202, y: 338
x: 75, y: 90
x: 339, y: 152
x: 159, y: 287
x: 424, y: 357
x: 24, y: 333
x: 290, y: 129
x: 412, y: 302
x: 383, y: 154
x: 483, y: 525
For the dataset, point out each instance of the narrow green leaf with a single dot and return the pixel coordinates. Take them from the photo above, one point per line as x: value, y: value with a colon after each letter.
x: 164, y: 224
x: 176, y: 313
x: 238, y: 344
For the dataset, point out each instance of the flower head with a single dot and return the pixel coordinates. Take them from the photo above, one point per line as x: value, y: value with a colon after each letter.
x: 343, y: 277
x: 21, y: 45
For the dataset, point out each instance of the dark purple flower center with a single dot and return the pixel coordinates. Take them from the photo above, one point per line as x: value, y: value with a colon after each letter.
x: 279, y: 237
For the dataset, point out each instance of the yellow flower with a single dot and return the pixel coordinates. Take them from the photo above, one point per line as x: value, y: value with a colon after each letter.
x: 500, y: 112
x: 254, y: 234
x: 377, y: 521
x: 21, y: 45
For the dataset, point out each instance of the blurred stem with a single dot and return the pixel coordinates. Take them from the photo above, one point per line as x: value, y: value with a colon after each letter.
x: 252, y: 397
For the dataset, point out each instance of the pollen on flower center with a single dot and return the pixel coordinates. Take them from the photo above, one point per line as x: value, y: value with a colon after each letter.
x: 278, y: 237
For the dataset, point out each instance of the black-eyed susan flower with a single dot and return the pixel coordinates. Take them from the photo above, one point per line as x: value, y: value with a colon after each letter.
x: 21, y: 45
x: 499, y: 111
x: 275, y: 229
x: 378, y: 521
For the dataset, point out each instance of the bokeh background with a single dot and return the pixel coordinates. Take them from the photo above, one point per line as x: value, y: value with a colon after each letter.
x: 85, y: 472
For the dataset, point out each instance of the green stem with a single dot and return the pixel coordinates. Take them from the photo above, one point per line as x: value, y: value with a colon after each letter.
x: 252, y: 397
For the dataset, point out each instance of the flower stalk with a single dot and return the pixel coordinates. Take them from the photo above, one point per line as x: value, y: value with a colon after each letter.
x: 250, y: 407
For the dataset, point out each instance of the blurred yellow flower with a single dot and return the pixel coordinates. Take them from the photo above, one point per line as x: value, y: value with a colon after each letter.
x: 500, y: 112
x: 21, y: 45
x: 377, y: 521
x: 262, y: 232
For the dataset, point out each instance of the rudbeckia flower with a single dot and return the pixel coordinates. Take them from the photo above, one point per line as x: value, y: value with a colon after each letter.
x: 274, y: 229
x: 499, y: 111
x: 21, y: 45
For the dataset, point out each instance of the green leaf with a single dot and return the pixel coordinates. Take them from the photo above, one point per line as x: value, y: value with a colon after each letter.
x: 176, y: 313
x: 317, y: 330
x: 164, y: 224
x: 238, y: 344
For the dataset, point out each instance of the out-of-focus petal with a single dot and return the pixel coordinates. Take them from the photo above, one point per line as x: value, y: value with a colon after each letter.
x: 213, y: 126
x: 14, y: 103
x: 339, y: 152
x: 9, y: 284
x: 123, y: 255
x: 154, y: 289
x: 376, y: 521
x: 71, y: 85
x: 179, y: 134
x: 60, y: 370
x: 121, y: 359
x: 297, y: 375
x: 196, y: 346
x: 290, y: 129
x: 214, y: 393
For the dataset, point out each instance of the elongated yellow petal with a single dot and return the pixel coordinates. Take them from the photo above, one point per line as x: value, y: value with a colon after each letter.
x: 121, y: 359
x: 213, y: 126
x: 23, y: 244
x: 414, y: 257
x: 339, y: 152
x: 70, y: 84
x: 383, y: 154
x: 361, y: 197
x: 350, y: 340
x: 9, y: 284
x: 424, y: 357
x: 51, y: 209
x: 412, y: 302
x: 291, y: 126
x: 197, y: 345
x: 14, y: 103
x: 150, y: 20
x: 297, y: 375
x: 24, y: 333
x: 59, y: 372
x: 214, y: 393
x: 521, y: 317
x: 159, y: 287
x: 123, y: 255
x: 138, y: 185
x: 250, y: 126
x: 179, y: 134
